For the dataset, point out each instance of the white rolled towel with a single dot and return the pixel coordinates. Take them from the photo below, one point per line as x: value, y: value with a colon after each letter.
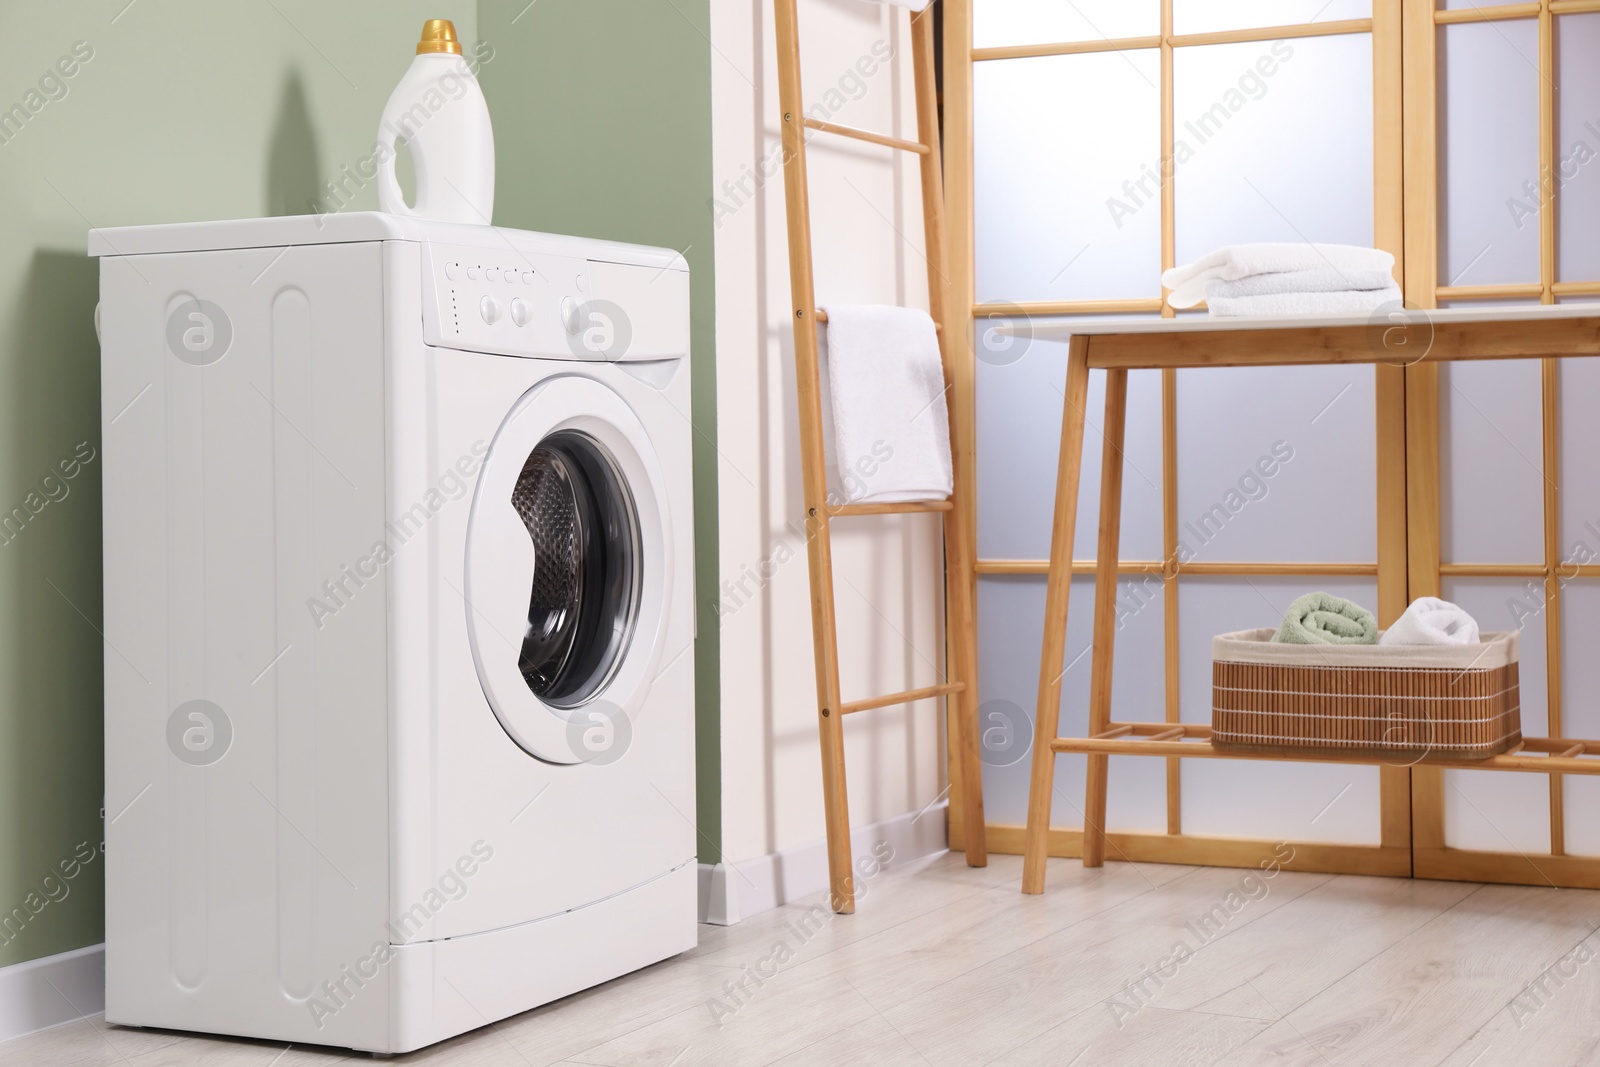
x: 1431, y: 621
x: 1188, y: 283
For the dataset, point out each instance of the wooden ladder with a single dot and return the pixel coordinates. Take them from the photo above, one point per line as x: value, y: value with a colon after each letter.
x: 961, y: 637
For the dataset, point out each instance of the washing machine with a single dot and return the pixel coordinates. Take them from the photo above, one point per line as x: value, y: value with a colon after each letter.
x: 399, y: 623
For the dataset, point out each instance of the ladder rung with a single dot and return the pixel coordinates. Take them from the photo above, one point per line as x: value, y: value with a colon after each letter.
x: 902, y: 698
x: 907, y: 507
x: 867, y: 135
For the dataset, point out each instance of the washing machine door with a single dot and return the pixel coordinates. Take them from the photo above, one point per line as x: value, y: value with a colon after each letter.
x: 567, y: 574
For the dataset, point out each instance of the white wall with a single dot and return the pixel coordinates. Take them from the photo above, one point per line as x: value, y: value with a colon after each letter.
x: 868, y: 234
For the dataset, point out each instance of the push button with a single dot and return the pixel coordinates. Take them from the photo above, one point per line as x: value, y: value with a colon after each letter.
x: 489, y: 310
x: 519, y: 311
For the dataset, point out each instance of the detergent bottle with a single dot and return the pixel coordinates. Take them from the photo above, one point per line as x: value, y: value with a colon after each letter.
x: 439, y: 112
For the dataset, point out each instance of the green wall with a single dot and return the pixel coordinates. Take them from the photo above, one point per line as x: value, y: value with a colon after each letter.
x: 603, y: 128
x: 187, y: 110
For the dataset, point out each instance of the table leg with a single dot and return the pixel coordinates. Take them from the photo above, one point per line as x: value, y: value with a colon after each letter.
x: 1059, y: 586
x: 1105, y: 612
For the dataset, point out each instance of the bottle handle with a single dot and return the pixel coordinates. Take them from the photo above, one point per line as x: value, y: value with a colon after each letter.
x: 391, y: 198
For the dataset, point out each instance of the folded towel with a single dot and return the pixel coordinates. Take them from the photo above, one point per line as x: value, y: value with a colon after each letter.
x: 1431, y: 621
x: 886, y: 387
x: 1325, y: 280
x: 1188, y: 283
x: 1325, y: 619
x: 1357, y: 302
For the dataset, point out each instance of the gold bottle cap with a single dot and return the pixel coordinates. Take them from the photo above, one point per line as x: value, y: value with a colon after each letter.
x: 438, y: 35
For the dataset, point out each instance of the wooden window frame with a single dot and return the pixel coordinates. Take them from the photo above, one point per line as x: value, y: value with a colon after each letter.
x: 1409, y: 564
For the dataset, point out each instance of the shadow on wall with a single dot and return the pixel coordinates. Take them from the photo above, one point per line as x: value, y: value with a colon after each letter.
x: 294, y: 166
x: 51, y: 760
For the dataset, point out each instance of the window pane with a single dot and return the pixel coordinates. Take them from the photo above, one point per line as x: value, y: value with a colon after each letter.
x: 1488, y: 152
x: 1019, y: 405
x: 1000, y: 22
x: 1010, y: 622
x: 1578, y: 119
x: 1491, y: 462
x: 1204, y: 16
x: 1490, y: 811
x: 1249, y: 472
x: 1578, y: 465
x: 1580, y: 673
x: 1273, y: 142
x: 1066, y: 189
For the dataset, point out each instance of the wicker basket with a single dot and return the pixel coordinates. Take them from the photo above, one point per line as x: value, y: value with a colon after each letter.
x: 1401, y: 701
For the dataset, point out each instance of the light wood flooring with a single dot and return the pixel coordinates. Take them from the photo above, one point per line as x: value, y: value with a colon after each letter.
x: 1129, y: 964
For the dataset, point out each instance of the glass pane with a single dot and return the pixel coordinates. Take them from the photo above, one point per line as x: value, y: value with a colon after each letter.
x: 1019, y: 406
x: 1580, y: 669
x: 1061, y: 145
x: 1578, y: 461
x: 1251, y: 473
x: 1273, y: 142
x: 1490, y: 811
x: 1580, y: 712
x: 1488, y: 152
x: 1002, y: 22
x: 1491, y: 462
x: 1204, y: 16
x: 1578, y: 120
x: 1309, y: 801
x: 1010, y: 625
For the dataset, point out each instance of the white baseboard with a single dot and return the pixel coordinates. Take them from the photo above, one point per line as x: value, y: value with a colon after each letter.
x: 53, y: 990
x: 730, y: 892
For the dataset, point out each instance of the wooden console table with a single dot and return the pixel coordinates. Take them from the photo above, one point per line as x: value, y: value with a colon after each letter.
x: 1118, y: 346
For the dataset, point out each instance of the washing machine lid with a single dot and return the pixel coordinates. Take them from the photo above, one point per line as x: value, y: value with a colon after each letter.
x: 567, y: 570
x: 351, y: 226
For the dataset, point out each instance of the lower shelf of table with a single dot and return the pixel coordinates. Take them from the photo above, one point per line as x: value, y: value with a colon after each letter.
x: 1538, y: 755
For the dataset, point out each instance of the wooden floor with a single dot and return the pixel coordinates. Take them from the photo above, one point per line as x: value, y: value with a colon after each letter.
x: 1122, y: 965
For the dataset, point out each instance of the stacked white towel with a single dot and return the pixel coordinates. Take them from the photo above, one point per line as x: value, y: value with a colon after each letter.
x: 1431, y: 621
x: 1286, y: 279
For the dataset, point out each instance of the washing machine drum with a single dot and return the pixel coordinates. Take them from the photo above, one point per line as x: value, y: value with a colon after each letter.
x: 567, y: 568
x: 585, y: 533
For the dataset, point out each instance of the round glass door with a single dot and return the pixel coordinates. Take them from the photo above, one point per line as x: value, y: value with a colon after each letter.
x: 585, y: 597
x: 568, y: 566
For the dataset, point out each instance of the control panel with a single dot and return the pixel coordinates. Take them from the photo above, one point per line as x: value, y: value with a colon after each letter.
x: 521, y: 303
x: 504, y: 301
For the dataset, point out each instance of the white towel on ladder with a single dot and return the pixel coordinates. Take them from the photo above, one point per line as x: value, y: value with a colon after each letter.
x: 885, y: 383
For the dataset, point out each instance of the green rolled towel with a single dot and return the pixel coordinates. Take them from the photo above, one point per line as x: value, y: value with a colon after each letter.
x: 1325, y: 619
